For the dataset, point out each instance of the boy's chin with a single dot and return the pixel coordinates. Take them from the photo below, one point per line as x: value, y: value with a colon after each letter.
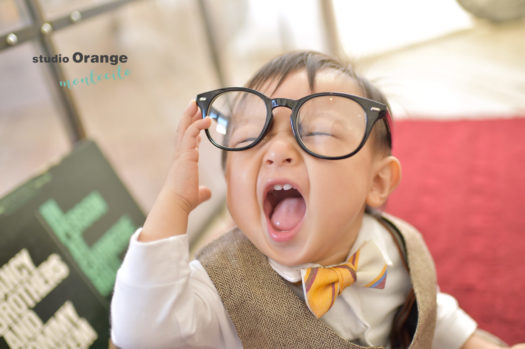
x: 287, y: 261
x: 288, y: 257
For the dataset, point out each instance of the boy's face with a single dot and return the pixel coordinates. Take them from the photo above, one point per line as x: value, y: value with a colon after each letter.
x: 318, y: 220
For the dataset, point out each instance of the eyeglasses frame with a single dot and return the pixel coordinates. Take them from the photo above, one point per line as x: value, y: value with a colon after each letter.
x: 374, y: 111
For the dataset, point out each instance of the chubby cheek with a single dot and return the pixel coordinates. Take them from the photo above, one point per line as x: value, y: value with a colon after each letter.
x: 241, y: 194
x: 337, y: 198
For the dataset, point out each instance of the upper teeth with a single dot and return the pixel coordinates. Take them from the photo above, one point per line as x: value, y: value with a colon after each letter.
x: 281, y: 187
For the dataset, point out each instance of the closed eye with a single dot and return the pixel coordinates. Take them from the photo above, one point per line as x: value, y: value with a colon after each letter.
x: 244, y: 142
x: 318, y: 133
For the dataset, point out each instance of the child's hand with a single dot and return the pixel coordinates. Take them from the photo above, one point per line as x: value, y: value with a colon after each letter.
x: 181, y: 192
x: 183, y: 177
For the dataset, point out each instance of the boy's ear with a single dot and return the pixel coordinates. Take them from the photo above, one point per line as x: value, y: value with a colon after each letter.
x: 386, y: 177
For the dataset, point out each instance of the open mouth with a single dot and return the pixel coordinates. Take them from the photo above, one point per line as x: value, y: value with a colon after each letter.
x: 284, y: 206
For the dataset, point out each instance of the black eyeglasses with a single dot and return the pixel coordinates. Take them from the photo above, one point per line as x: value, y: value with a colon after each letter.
x: 327, y: 125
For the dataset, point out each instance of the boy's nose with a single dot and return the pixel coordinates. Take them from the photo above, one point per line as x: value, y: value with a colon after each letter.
x: 281, y: 147
x: 281, y: 151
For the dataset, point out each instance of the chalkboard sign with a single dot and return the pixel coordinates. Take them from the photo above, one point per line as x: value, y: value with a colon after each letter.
x: 63, y: 235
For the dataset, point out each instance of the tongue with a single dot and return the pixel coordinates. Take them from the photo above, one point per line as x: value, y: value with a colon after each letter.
x: 288, y: 213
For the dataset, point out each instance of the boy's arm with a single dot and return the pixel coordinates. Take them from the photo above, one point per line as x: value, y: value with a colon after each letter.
x: 181, y: 192
x: 160, y: 298
x: 456, y: 329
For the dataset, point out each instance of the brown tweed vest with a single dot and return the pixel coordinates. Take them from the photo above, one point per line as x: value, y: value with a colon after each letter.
x: 268, y: 314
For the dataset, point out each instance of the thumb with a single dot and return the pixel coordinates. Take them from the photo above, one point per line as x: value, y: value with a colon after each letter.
x: 204, y: 194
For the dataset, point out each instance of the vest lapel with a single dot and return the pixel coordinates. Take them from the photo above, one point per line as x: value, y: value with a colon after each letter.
x: 423, y: 276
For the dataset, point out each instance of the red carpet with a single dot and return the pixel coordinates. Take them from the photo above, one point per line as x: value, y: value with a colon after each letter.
x: 463, y: 187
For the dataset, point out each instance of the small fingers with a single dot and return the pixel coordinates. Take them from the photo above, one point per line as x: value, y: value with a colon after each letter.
x: 198, y: 125
x: 197, y: 115
x: 189, y: 112
x: 192, y: 135
x: 188, y: 116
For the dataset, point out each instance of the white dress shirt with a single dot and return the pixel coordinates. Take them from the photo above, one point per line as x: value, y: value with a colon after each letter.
x: 162, y: 300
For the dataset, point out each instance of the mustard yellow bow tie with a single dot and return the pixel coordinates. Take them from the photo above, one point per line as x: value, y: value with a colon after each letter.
x: 321, y: 285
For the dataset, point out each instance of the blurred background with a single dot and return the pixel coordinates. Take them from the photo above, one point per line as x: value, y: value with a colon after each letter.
x: 435, y: 60
x: 432, y: 59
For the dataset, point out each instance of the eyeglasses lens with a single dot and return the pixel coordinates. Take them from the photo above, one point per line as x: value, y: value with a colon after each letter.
x: 238, y: 118
x: 331, y: 126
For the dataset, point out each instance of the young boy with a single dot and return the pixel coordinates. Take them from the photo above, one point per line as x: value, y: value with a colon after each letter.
x: 307, y: 160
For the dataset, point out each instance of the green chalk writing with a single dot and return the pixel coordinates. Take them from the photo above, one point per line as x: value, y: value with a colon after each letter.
x: 99, y: 262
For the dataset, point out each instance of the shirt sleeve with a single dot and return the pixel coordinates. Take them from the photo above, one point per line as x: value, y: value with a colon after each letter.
x: 453, y: 325
x: 161, y: 300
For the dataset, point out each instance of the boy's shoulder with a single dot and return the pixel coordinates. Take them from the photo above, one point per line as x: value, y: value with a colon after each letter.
x: 232, y: 256
x: 403, y: 226
x: 228, y: 247
x: 413, y: 244
x: 408, y: 236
